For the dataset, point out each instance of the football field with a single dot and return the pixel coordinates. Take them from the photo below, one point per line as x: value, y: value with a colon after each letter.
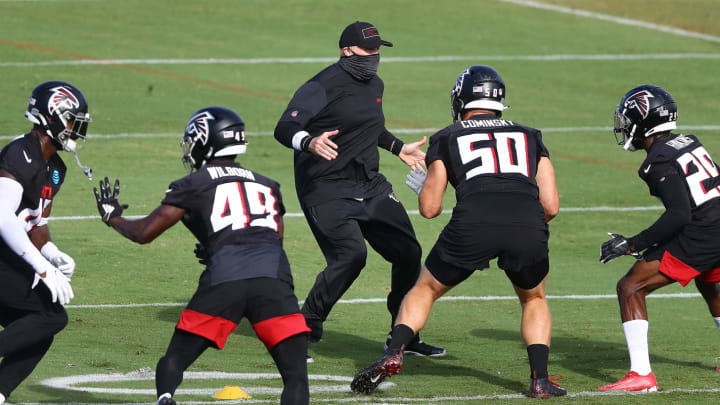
x: 146, y: 66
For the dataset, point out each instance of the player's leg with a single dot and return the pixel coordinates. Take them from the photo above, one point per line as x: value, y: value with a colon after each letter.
x: 277, y: 321
x: 342, y: 243
x: 289, y: 356
x: 388, y: 229
x: 709, y: 287
x: 643, y: 278
x: 184, y: 349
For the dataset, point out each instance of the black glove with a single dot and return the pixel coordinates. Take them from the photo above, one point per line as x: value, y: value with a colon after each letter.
x: 107, y: 203
x: 616, y: 247
x: 202, y: 254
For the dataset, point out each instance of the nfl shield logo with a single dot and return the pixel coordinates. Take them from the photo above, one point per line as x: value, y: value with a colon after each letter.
x: 294, y: 113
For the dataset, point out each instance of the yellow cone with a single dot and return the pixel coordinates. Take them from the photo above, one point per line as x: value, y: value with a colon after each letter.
x: 231, y: 392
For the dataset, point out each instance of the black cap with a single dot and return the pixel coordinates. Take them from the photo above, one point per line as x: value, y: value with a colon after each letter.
x: 362, y: 34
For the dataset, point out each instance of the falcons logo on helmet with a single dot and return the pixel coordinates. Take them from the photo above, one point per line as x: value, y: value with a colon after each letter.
x: 200, y: 126
x: 62, y: 98
x: 640, y: 101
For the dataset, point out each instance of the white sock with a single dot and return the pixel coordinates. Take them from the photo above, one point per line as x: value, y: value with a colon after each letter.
x: 636, y: 336
x: 2, y: 399
x: 717, y: 322
x: 165, y: 395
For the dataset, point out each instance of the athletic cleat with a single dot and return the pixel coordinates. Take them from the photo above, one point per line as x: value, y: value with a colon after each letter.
x: 633, y: 382
x: 166, y: 401
x: 419, y: 348
x: 545, y: 388
x: 308, y: 358
x: 368, y: 379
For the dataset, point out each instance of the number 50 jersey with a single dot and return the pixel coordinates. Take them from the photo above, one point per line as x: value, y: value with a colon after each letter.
x: 487, y: 154
x: 226, y: 204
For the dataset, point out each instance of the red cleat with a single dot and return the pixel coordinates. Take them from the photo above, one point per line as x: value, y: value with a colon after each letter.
x: 633, y: 382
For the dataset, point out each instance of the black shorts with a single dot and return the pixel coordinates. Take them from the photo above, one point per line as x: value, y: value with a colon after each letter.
x: 506, y: 226
x: 17, y: 298
x: 269, y: 304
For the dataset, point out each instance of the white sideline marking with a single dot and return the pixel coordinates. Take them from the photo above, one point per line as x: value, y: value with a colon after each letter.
x: 382, y: 300
x: 393, y: 130
x: 618, y: 20
x: 389, y: 59
x: 410, y: 212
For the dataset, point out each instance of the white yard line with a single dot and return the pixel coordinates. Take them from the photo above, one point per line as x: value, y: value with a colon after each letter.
x: 614, y: 19
x: 383, y: 300
x: 389, y: 59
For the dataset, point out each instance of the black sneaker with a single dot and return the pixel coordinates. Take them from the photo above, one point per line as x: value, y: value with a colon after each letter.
x: 368, y: 379
x: 308, y: 358
x: 419, y: 348
x: 545, y: 388
x: 166, y: 401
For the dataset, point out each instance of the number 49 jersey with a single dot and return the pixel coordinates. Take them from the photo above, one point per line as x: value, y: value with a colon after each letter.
x: 487, y: 154
x: 226, y: 204
x: 684, y: 155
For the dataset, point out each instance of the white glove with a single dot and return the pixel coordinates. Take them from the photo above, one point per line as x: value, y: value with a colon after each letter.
x: 59, y: 259
x: 415, y: 180
x: 58, y: 284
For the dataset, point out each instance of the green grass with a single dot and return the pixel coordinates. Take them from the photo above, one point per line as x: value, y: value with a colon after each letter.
x: 486, y: 356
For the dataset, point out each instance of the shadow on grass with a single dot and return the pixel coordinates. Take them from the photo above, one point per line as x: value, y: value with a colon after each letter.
x: 71, y: 397
x: 592, y: 358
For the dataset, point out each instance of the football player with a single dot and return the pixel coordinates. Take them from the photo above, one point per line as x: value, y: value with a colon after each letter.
x: 236, y: 215
x: 684, y: 243
x: 34, y: 273
x: 505, y: 187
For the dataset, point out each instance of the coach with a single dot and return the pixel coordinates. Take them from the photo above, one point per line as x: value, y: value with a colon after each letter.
x: 335, y: 123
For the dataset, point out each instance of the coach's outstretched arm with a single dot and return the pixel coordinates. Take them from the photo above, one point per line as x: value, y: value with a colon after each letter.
x: 143, y: 230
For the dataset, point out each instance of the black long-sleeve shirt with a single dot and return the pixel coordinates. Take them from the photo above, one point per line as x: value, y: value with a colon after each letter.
x: 332, y: 100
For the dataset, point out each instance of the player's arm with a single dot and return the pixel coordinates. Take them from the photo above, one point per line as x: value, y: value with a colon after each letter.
x: 409, y: 153
x: 678, y: 213
x: 548, y: 193
x: 431, y: 195
x: 145, y: 230
x: 40, y: 237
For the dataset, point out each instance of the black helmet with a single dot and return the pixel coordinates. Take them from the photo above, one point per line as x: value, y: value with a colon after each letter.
x: 478, y: 86
x: 60, y: 109
x: 212, y: 132
x: 644, y: 111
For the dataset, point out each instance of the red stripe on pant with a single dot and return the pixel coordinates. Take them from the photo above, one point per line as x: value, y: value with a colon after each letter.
x: 674, y: 268
x: 213, y: 328
x: 274, y: 330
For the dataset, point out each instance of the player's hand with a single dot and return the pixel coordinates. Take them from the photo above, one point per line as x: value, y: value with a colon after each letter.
x: 107, y: 202
x: 202, y: 254
x: 617, y: 246
x: 412, y: 155
x: 64, y: 263
x: 58, y: 284
x: 323, y: 146
x: 416, y: 180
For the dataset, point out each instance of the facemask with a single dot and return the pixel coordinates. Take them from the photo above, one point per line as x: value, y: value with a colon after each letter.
x: 361, y: 67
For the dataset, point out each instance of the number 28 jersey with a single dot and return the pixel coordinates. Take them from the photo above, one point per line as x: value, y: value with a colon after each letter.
x: 487, y: 154
x: 684, y: 155
x: 226, y: 204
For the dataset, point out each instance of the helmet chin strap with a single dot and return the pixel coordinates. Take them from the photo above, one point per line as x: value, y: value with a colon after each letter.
x: 85, y: 169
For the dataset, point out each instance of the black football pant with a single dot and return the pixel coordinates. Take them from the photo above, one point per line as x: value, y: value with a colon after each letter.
x: 289, y: 356
x: 341, y: 228
x: 30, y: 321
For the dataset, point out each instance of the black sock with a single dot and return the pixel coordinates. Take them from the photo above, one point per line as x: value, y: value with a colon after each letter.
x: 400, y: 336
x: 538, y: 356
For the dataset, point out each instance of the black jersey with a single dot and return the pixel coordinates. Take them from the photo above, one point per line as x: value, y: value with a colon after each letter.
x: 39, y: 179
x: 488, y: 154
x: 228, y: 204
x: 685, y: 156
x: 331, y: 100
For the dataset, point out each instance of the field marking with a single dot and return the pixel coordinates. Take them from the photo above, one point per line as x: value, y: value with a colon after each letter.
x: 618, y: 20
x: 389, y: 59
x: 178, y: 135
x: 383, y: 300
x: 410, y: 212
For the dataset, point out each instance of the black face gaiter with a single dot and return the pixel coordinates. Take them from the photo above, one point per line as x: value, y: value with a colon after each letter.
x: 360, y: 67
